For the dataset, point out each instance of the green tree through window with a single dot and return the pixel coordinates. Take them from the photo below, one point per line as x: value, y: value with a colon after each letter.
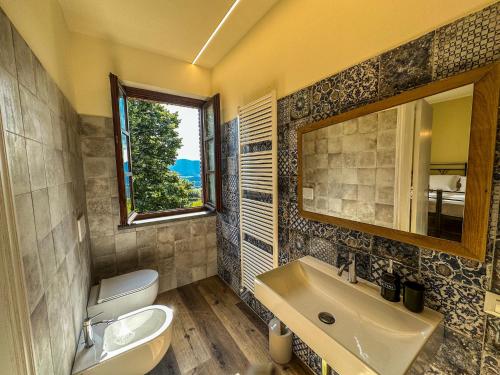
x: 154, y: 145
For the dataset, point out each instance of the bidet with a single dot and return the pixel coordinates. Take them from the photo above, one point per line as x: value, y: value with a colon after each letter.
x: 133, y: 344
x: 88, y: 333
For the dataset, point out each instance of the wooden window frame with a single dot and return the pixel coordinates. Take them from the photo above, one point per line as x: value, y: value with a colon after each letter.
x: 215, y: 101
x: 160, y: 97
x: 473, y: 245
x: 116, y: 89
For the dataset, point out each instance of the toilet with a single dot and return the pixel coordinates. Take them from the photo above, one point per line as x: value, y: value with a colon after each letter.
x: 122, y: 294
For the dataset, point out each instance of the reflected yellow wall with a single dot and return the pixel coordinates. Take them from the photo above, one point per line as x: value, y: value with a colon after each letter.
x: 300, y: 42
x: 94, y: 59
x: 450, y: 130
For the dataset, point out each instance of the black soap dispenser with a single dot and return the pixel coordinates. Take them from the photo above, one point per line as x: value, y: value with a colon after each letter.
x: 391, y: 285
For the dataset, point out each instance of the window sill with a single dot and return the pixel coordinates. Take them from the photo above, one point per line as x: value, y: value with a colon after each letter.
x: 168, y: 219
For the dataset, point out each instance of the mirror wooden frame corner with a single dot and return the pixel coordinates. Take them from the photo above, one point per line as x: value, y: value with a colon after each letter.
x: 481, y: 159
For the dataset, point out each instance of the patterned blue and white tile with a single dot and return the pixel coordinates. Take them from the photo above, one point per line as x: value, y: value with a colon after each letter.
x: 314, y: 362
x: 300, y: 349
x: 223, y: 165
x: 323, y: 230
x: 283, y: 212
x: 495, y: 272
x: 363, y: 261
x: 467, y: 271
x: 492, y: 333
x: 230, y: 200
x: 230, y: 233
x: 249, y: 299
x: 326, y: 98
x: 231, y: 183
x: 283, y: 163
x: 352, y: 238
x: 297, y: 222
x: 283, y: 188
x: 406, y: 67
x: 235, y: 281
x: 283, y: 238
x: 323, y: 250
x: 264, y: 312
x: 462, y: 306
x: 229, y: 139
x: 283, y: 110
x: 283, y: 136
x: 293, y: 186
x: 230, y: 217
x: 490, y: 362
x: 284, y: 257
x: 293, y: 162
x: 380, y: 265
x: 300, y: 104
x: 292, y: 132
x: 467, y: 43
x: 292, y: 136
x: 232, y: 165
x: 360, y: 84
x: 233, y: 250
x: 404, y: 253
x: 299, y: 245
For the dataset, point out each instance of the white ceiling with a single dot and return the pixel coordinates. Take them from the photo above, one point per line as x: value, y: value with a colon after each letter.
x: 175, y: 28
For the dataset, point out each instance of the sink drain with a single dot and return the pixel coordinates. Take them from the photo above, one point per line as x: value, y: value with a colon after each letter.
x: 326, y: 318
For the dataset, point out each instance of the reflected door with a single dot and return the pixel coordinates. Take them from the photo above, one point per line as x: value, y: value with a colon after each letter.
x: 421, y: 166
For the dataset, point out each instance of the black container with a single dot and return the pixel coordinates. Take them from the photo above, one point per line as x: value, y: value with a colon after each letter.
x: 391, y: 286
x: 413, y: 296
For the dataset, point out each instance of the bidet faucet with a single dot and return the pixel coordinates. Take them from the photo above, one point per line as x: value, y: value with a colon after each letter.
x: 351, y: 263
x: 88, y: 333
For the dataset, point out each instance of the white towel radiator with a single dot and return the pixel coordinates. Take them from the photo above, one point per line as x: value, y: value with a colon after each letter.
x: 258, y: 188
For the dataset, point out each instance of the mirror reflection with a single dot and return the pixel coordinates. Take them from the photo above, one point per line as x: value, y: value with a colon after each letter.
x: 404, y: 168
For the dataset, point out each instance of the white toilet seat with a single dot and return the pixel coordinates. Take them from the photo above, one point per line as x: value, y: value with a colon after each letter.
x: 122, y: 294
x: 122, y: 285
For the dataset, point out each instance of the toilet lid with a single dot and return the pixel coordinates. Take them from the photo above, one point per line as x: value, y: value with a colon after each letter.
x: 122, y: 285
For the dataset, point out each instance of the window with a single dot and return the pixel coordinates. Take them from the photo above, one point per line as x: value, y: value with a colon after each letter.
x: 170, y: 152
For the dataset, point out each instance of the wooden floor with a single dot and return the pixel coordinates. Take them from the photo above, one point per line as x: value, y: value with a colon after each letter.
x: 214, y: 332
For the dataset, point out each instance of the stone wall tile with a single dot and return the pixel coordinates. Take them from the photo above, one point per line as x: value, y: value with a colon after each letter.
x: 24, y: 62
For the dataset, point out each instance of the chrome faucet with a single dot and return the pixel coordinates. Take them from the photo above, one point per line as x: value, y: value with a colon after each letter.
x: 88, y: 332
x: 351, y: 263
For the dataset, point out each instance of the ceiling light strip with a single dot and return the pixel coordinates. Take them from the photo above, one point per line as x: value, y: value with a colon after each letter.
x: 215, y: 31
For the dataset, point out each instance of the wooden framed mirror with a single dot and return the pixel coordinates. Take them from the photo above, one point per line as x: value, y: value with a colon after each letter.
x: 416, y: 167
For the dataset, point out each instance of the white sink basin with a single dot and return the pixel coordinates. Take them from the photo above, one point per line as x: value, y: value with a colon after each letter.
x: 370, y: 335
x: 134, y: 344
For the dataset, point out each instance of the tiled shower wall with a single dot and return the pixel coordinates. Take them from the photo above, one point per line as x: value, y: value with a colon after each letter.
x: 43, y: 149
x: 181, y: 251
x: 454, y: 286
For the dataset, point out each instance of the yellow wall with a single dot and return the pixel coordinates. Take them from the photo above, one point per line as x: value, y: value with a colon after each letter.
x: 42, y: 25
x: 297, y: 43
x: 450, y: 130
x: 94, y: 59
x: 80, y: 65
x: 300, y: 42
